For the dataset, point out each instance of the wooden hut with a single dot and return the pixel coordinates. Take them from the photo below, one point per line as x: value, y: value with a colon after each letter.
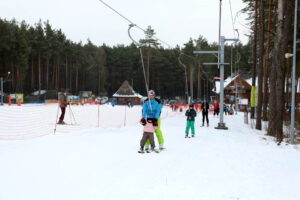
x: 126, y: 95
x: 236, y: 85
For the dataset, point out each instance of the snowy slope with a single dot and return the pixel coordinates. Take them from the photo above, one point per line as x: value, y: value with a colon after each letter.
x: 103, y: 163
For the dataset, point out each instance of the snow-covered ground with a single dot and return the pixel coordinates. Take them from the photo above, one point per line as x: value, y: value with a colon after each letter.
x: 86, y: 162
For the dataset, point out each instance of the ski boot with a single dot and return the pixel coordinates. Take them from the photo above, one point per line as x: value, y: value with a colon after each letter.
x: 141, y: 150
x: 161, y: 147
x: 186, y: 135
x: 154, y: 150
x: 193, y: 135
x: 147, y: 148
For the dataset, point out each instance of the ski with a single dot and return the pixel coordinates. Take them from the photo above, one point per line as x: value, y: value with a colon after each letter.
x: 150, y: 151
x: 157, y: 151
x: 68, y: 124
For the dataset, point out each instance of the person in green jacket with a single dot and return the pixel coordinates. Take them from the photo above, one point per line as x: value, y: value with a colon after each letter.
x: 190, y: 114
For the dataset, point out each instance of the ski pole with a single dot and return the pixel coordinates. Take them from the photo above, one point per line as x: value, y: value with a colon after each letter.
x: 56, y: 119
x: 73, y: 115
x: 70, y: 113
x: 98, y: 115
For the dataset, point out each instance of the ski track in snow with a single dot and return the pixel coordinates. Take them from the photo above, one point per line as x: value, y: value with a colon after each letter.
x: 86, y: 162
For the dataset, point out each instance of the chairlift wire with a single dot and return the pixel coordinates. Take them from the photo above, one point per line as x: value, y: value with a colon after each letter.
x: 131, y: 22
x: 235, y: 19
x: 232, y: 18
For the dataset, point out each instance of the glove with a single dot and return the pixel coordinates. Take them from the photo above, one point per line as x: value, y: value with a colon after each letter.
x: 155, y: 122
x: 143, y: 121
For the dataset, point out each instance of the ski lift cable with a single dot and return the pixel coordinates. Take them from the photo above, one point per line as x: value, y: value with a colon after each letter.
x: 131, y: 22
x: 236, y: 19
x: 232, y: 18
x: 139, y: 27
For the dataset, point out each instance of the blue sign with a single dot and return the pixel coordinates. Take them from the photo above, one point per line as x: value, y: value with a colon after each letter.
x: 231, y: 98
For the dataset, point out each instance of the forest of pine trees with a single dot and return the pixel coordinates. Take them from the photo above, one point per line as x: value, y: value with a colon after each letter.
x: 42, y: 58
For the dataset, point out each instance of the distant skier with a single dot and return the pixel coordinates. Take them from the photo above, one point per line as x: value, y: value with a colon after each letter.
x: 63, y: 104
x: 148, y: 135
x: 225, y: 109
x: 153, y: 108
x: 205, y: 109
x: 190, y: 114
x: 216, y: 108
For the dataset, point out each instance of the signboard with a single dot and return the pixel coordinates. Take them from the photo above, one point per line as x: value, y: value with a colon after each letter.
x: 243, y: 101
x: 253, y: 88
x: 13, y: 96
x: 19, y: 96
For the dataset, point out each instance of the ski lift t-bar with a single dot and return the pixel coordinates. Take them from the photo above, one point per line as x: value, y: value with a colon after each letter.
x: 140, y: 47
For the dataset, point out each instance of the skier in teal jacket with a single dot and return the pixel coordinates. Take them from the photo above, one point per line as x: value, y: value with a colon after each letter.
x: 190, y: 114
x: 153, y: 112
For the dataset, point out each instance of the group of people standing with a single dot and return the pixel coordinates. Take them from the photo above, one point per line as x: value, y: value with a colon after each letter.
x: 151, y: 121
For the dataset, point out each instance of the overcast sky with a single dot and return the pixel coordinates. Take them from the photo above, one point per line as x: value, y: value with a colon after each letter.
x: 174, y: 21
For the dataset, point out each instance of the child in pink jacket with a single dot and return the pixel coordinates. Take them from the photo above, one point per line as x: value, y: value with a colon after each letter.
x: 148, y: 133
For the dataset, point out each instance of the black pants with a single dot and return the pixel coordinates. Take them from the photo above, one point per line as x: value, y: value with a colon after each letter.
x: 216, y: 112
x: 205, y: 114
x: 62, y: 116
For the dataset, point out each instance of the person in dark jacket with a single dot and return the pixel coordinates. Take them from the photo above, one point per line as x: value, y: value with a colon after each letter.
x: 205, y: 109
x: 190, y: 114
x: 62, y: 104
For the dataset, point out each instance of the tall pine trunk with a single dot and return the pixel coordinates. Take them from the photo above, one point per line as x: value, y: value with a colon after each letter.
x: 191, y: 81
x: 13, y: 82
x: 281, y: 43
x: 199, y: 80
x: 32, y: 74
x: 56, y: 77
x: 266, y: 96
x: 254, y: 57
x: 99, y: 79
x: 53, y: 76
x: 47, y: 72
x: 70, y: 75
x: 39, y: 63
x: 261, y: 65
x: 282, y: 68
x: 17, y: 80
x: 76, y: 80
x: 66, y: 72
